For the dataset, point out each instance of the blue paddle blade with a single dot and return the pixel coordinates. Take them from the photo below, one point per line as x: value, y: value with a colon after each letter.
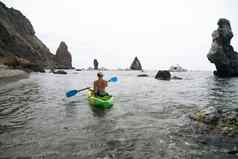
x: 113, y: 79
x: 71, y: 93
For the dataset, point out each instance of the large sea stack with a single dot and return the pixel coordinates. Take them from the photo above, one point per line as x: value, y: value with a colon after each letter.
x: 95, y: 64
x: 63, y: 57
x: 18, y: 39
x: 136, y: 65
x: 222, y: 53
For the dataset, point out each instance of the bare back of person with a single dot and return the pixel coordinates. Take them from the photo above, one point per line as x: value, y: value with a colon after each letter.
x: 100, y: 85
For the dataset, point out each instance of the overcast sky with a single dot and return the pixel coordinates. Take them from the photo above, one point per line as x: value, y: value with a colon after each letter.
x: 160, y: 32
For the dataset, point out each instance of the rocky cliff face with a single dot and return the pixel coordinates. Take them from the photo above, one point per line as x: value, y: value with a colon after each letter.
x: 17, y: 38
x: 18, y: 41
x: 222, y: 53
x: 136, y: 65
x: 63, y: 57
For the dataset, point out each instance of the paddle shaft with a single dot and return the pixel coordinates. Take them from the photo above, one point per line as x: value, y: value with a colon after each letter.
x: 83, y: 89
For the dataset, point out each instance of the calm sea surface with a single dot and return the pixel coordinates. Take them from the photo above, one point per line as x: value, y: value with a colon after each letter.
x: 149, y: 119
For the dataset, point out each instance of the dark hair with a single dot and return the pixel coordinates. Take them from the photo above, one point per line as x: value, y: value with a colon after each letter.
x: 99, y: 74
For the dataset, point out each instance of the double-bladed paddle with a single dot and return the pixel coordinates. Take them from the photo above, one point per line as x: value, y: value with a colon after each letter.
x: 75, y: 91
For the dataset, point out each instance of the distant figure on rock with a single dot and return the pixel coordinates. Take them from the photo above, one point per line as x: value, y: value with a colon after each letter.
x: 95, y: 64
x: 222, y: 53
x: 136, y: 65
x: 163, y: 75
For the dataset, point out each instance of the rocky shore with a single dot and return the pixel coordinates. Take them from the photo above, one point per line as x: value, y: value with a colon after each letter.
x: 216, y: 122
x: 7, y: 74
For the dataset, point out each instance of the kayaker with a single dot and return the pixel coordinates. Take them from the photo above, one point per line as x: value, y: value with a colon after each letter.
x: 99, y: 86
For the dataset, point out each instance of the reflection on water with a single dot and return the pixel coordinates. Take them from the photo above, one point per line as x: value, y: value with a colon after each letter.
x: 223, y: 93
x: 38, y: 121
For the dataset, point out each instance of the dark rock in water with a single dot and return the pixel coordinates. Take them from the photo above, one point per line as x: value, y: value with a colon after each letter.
x: 18, y: 39
x: 222, y: 53
x: 58, y: 72
x: 142, y: 75
x: 78, y: 69
x: 63, y: 57
x: 233, y: 152
x: 95, y: 64
x: 176, y: 78
x: 136, y: 65
x: 163, y: 75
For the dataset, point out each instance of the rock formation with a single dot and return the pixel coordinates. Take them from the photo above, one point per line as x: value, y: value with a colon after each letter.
x: 136, y: 65
x: 213, y: 121
x: 177, y: 68
x: 20, y: 63
x: 58, y: 71
x: 222, y: 53
x: 176, y: 78
x: 95, y: 64
x: 163, y: 75
x: 18, y: 39
x: 143, y: 75
x: 63, y: 57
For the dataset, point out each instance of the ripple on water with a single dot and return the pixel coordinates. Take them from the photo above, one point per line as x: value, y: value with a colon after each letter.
x: 148, y: 119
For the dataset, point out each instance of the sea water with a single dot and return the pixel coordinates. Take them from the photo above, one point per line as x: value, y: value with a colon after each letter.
x: 149, y: 118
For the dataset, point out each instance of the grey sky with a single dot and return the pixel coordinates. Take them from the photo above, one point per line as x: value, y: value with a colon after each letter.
x: 160, y: 32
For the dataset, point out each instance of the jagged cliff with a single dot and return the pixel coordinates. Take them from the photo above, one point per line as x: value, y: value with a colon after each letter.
x: 18, y: 40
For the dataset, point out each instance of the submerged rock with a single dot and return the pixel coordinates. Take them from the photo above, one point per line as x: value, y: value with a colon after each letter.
x: 176, y: 78
x: 58, y: 71
x: 163, y: 75
x: 222, y: 53
x: 208, y: 115
x: 142, y: 75
x: 63, y: 57
x: 215, y: 122
x: 136, y: 65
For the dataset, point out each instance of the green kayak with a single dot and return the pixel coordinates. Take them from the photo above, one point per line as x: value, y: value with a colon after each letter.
x: 105, y: 102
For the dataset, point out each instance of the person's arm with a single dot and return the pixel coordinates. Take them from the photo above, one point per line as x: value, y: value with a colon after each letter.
x: 94, y: 86
x: 106, y: 83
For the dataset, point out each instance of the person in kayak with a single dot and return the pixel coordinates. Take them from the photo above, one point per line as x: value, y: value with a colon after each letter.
x: 99, y: 86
